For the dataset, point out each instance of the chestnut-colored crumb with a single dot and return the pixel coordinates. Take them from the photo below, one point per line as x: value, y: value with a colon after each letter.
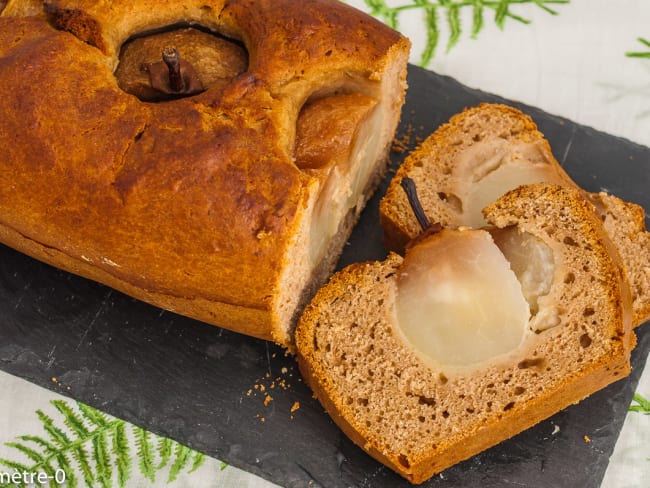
x: 434, y: 166
x: 418, y: 420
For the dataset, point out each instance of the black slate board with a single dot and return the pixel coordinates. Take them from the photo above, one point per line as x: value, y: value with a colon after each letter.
x: 201, y: 385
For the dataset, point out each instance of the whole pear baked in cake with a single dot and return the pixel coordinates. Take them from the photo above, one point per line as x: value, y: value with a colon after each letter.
x: 474, y: 335
x: 208, y: 157
x: 479, y: 155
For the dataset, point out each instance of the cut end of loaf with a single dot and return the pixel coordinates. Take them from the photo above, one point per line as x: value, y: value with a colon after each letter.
x: 419, y: 420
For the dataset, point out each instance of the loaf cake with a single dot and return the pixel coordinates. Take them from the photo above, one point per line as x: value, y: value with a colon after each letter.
x: 179, y: 151
x: 384, y: 345
x: 480, y: 154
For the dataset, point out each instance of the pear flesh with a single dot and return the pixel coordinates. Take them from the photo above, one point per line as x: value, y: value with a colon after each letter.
x: 458, y: 303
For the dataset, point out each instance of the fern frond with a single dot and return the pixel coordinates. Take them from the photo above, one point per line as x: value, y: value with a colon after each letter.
x: 452, y: 10
x: 14, y: 465
x: 40, y: 460
x: 477, y: 18
x: 431, y: 19
x: 637, y: 54
x: 102, y: 458
x: 198, y: 458
x: 71, y: 419
x: 183, y: 455
x: 542, y: 4
x: 48, y: 446
x: 642, y: 404
x: 64, y: 464
x: 453, y: 19
x: 56, y: 434
x: 501, y: 11
x: 120, y: 449
x: 92, y: 446
x: 94, y: 416
x: 32, y: 454
x: 164, y: 451
x: 145, y: 453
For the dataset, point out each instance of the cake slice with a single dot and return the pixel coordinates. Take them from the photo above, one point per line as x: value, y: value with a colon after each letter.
x: 473, y: 336
x: 478, y: 156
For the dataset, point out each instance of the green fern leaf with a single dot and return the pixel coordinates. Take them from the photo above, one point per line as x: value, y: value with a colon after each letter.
x: 542, y: 4
x: 75, y: 423
x: 14, y: 465
x: 477, y: 18
x: 452, y: 9
x: 642, y: 404
x: 32, y: 454
x: 71, y: 418
x: 95, y: 446
x: 48, y: 446
x: 64, y: 442
x: 501, y: 11
x: 638, y: 54
x: 120, y: 449
x: 56, y: 434
x: 197, y: 461
x: 453, y: 19
x: 183, y: 455
x: 431, y: 19
x: 41, y: 462
x: 145, y: 453
x: 164, y: 451
x: 64, y: 464
x: 92, y: 415
x: 102, y: 460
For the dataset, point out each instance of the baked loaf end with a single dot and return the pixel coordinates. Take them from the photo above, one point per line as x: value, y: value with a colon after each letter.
x: 480, y: 154
x: 418, y: 418
x: 199, y: 204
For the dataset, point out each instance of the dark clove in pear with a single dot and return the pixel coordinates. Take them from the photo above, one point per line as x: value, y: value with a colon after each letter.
x: 428, y: 228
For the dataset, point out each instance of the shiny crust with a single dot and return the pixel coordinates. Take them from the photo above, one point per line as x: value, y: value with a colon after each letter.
x: 192, y: 204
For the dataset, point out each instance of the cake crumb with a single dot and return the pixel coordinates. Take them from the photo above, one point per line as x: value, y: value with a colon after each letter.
x: 587, y: 439
x: 268, y: 400
x: 295, y: 406
x: 402, y: 142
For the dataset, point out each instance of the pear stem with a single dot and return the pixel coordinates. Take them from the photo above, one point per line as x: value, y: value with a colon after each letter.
x: 411, y: 193
x: 173, y: 61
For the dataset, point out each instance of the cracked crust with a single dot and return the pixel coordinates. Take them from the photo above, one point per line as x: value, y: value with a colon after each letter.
x: 166, y: 202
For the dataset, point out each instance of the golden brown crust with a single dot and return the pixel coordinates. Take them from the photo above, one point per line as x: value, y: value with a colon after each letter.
x: 192, y: 201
